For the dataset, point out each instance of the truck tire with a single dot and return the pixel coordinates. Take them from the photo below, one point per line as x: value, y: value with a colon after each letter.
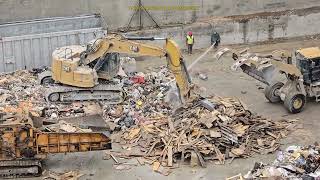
x: 270, y: 90
x: 295, y: 102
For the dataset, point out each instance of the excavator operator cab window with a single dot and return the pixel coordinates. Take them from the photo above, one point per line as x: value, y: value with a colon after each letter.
x: 111, y: 65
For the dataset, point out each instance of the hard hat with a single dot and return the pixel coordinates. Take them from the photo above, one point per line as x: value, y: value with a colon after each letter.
x: 190, y: 33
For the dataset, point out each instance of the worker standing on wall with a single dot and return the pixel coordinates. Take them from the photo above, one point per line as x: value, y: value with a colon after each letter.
x: 215, y: 39
x: 190, y: 42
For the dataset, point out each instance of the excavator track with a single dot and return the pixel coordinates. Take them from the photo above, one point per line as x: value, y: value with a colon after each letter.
x: 10, y: 169
x: 113, y: 94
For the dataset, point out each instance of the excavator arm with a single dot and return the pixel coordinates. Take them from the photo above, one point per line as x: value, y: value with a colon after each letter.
x: 119, y: 44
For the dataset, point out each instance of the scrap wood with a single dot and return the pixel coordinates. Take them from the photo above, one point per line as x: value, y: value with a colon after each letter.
x: 219, y: 155
x: 237, y: 177
x: 171, y: 126
x: 165, y: 148
x: 194, y: 159
x: 71, y: 175
x: 121, y: 167
x: 156, y: 166
x: 164, y: 171
x: 153, y: 145
x: 140, y: 160
x: 133, y: 133
x: 200, y: 158
x: 114, y: 158
x: 170, y: 156
x: 239, y: 136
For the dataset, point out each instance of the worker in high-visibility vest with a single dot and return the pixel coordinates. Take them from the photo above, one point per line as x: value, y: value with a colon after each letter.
x: 189, y: 42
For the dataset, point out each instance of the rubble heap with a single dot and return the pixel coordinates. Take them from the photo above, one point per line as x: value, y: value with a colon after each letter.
x: 21, y: 90
x: 294, y: 163
x: 145, y: 126
x: 20, y: 86
x: 200, y: 135
x: 145, y: 101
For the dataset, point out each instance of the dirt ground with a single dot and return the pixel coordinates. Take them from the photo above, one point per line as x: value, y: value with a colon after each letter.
x: 223, y: 82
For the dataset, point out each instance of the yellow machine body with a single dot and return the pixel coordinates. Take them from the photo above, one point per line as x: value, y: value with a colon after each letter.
x: 66, y: 68
x: 80, y: 67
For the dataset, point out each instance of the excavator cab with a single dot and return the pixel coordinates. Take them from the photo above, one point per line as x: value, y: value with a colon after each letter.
x: 108, y: 66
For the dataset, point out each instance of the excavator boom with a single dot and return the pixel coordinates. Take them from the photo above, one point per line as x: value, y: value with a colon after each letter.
x: 119, y: 44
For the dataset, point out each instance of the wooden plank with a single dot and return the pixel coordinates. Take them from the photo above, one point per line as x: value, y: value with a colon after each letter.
x: 220, y: 156
x: 194, y: 159
x: 156, y: 166
x: 171, y: 126
x: 152, y: 147
x: 201, y: 160
x: 170, y: 156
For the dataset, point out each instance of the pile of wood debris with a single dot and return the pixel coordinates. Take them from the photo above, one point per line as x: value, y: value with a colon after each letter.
x: 71, y: 175
x: 197, y: 135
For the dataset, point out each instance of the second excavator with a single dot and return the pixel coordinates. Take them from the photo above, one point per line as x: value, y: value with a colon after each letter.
x: 79, y: 70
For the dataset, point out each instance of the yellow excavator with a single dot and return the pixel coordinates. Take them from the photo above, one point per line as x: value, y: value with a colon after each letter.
x: 79, y: 69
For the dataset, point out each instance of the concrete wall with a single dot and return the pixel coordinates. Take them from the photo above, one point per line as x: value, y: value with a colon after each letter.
x: 116, y: 12
x: 245, y: 29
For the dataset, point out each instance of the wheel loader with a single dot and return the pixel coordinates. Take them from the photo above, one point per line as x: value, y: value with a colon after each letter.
x: 302, y: 80
x: 78, y: 71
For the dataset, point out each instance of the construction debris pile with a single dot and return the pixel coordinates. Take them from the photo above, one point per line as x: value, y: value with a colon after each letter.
x: 20, y: 86
x: 71, y: 175
x: 146, y: 127
x: 199, y: 135
x: 21, y: 90
x: 146, y: 99
x: 294, y: 163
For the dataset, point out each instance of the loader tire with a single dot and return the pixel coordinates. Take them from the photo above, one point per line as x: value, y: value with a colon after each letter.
x: 295, y: 103
x: 270, y: 90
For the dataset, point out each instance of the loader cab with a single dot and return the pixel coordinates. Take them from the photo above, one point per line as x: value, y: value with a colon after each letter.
x: 308, y: 61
